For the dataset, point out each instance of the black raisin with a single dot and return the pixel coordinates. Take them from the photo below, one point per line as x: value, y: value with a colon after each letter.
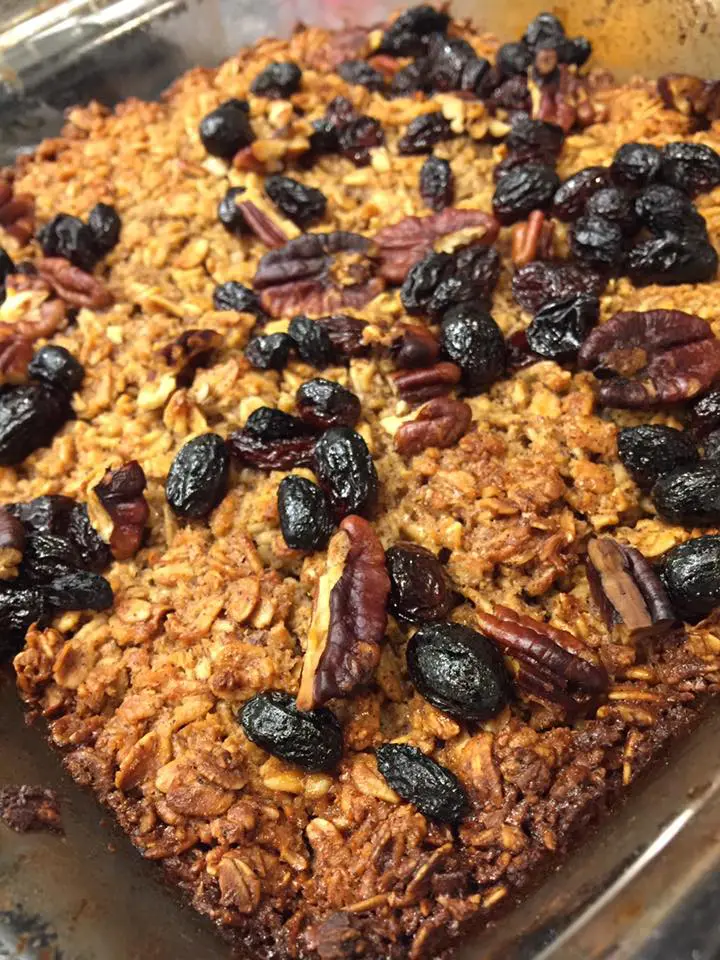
x: 361, y: 73
x: 68, y: 237
x: 422, y: 280
x: 541, y: 282
x: 522, y: 190
x: 105, y: 224
x: 47, y: 556
x: 312, y: 341
x: 305, y: 516
x: 303, y: 205
x: 30, y: 416
x: 407, y: 36
x: 649, y: 451
x: 227, y: 129
x: 616, y: 205
x: 578, y: 52
x: 94, y: 551
x: 48, y: 514
x: 324, y: 403
x: 447, y: 58
x: 284, y: 454
x: 79, y: 590
x: 512, y: 94
x: 459, y: 671
x: 662, y: 208
x: 358, y: 137
x: 472, y: 339
x: 691, y: 572
x: 20, y: 607
x: 543, y: 27
x: 572, y: 195
x: 711, y: 446
x: 513, y: 58
x: 558, y: 329
x: 198, y: 476
x: 636, y: 165
x: 597, y: 241
x: 270, y: 352
x: 424, y: 132
x: 58, y: 368
x: 419, y: 588
x: 277, y: 81
x: 673, y: 258
x: 345, y: 469
x: 234, y: 296
x: 433, y: 789
x: 414, y: 78
x: 230, y: 215
x: 478, y: 77
x: 705, y: 415
x: 470, y: 277
x: 689, y: 496
x: 692, y: 167
x: 536, y: 137
x: 437, y: 184
x: 267, y: 423
x: 311, y: 739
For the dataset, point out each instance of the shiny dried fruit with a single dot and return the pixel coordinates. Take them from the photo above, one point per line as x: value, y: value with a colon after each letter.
x: 430, y: 787
x: 672, y: 259
x: 408, y: 35
x: 615, y: 205
x: 513, y: 58
x: 543, y: 282
x: 597, y: 241
x: 524, y: 189
x: 437, y: 184
x: 277, y: 81
x: 424, y: 132
x: 252, y: 451
x: 360, y: 72
x: 227, y: 129
x: 692, y: 167
x: 449, y: 61
x: 419, y: 588
x: 651, y: 450
x: 558, y: 329
x: 234, y: 296
x: 511, y: 94
x: 472, y: 339
x: 47, y: 556
x: 79, y: 590
x: 572, y: 195
x: 323, y: 403
x: 636, y: 165
x: 310, y: 739
x: 662, y: 208
x: 303, y: 205
x: 345, y: 469
x: 311, y: 341
x: 305, y: 517
x: 705, y: 414
x: 198, y: 476
x: 267, y: 423
x: 95, y: 553
x: 269, y: 352
x: 414, y: 346
x: 689, y: 496
x: 68, y: 237
x: 63, y: 517
x: 20, y: 607
x: 411, y: 79
x: 691, y: 572
x: 30, y: 416
x: 105, y: 225
x: 56, y: 368
x: 346, y: 335
x: 440, y: 281
x: 358, y: 137
x: 121, y: 495
x: 425, y: 383
x: 440, y: 423
x: 535, y: 138
x: 231, y: 216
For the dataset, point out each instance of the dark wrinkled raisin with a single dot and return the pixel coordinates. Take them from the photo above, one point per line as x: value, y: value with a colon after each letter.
x: 522, y: 190
x: 691, y: 573
x: 47, y: 514
x: 471, y: 338
x: 229, y: 213
x: 360, y: 72
x: 614, y: 204
x: 422, y: 280
x: 649, y: 451
x: 518, y: 354
x: 635, y: 165
x: 470, y: 277
x: 303, y: 205
x: 512, y: 94
x: 357, y: 138
x: 68, y: 237
x: 311, y: 739
x: 198, y: 476
x: 47, y: 556
x: 705, y: 415
x: 311, y: 340
x: 58, y: 368
x: 267, y: 423
x: 424, y: 132
x: 407, y: 36
x: 437, y: 183
x: 410, y: 79
x: 79, y: 590
x: 419, y: 588
x: 597, y: 241
x: 692, y: 167
x: 105, y: 225
x: 324, y: 403
x: 662, y: 208
x: 558, y: 329
x: 478, y: 77
x: 30, y: 416
x: 345, y: 469
x: 673, y: 258
x: 251, y: 451
x: 513, y: 58
x: 519, y: 158
x: 541, y: 282
x: 571, y: 196
x: 270, y: 352
x: 304, y: 511
x: 436, y: 792
x: 234, y: 296
x: 277, y: 81
x: 227, y: 129
x: 542, y: 28
x: 19, y: 608
x: 346, y: 335
x: 447, y: 58
x: 535, y: 136
x: 459, y: 671
x: 580, y: 52
x: 94, y: 551
x: 689, y: 496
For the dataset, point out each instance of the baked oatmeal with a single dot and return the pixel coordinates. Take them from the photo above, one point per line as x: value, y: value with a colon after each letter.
x: 360, y: 466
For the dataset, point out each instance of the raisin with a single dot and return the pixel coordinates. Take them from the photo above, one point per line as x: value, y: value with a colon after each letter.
x: 422, y: 280
x: 636, y: 165
x: 672, y: 259
x: 303, y: 205
x: 424, y: 132
x: 579, y: 52
x: 270, y: 352
x: 431, y: 788
x: 30, y: 416
x: 79, y: 590
x: 536, y: 137
x: 47, y: 556
x: 361, y: 73
x: 230, y: 214
x: 470, y: 277
x: 711, y: 446
x: 358, y: 137
x: 513, y: 58
x: 346, y: 335
x: 68, y: 237
x: 198, y: 476
x: 419, y: 588
x: 472, y: 339
x: 689, y: 495
x: 285, y: 454
x: 95, y: 553
x: 58, y: 368
x: 410, y: 79
x: 311, y: 739
x: 407, y: 36
x: 266, y: 423
x: 690, y: 574
x: 613, y: 204
x: 227, y: 129
x: 543, y: 28
x: 311, y: 340
x: 277, y: 81
x: 597, y: 241
x: 20, y: 607
x: 447, y: 58
x: 48, y: 514
x: 458, y: 670
x: 705, y: 415
x: 305, y: 516
x: 234, y: 296
x: 558, y: 329
x: 512, y: 94
x: 478, y: 77
x: 572, y: 195
x: 540, y: 282
x: 649, y: 451
x: 692, y: 167
x: 522, y: 190
x: 324, y: 403
x: 662, y: 209
x: 437, y: 184
x: 345, y: 469
x: 105, y: 225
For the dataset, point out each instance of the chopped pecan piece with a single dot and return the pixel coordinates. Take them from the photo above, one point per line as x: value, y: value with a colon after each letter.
x: 627, y: 590
x: 16, y: 352
x: 414, y: 346
x: 120, y: 493
x: 647, y: 359
x: 439, y: 423
x: 188, y: 351
x: 261, y: 224
x: 690, y: 96
x: 12, y: 545
x: 417, y: 386
x: 403, y: 244
x: 318, y: 273
x: 568, y: 101
x: 349, y: 616
x: 73, y: 285
x: 532, y: 239
x: 28, y: 310
x: 17, y: 213
x: 547, y: 668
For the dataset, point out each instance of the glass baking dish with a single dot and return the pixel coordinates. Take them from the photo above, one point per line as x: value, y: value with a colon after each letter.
x: 643, y: 885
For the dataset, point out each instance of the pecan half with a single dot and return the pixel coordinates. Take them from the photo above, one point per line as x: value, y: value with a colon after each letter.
x: 439, y: 423
x: 188, y: 351
x: 17, y: 213
x: 120, y: 493
x: 349, y: 617
x: 403, y: 244
x: 282, y: 454
x: 414, y: 346
x: 547, y: 668
x: 12, y: 545
x: 627, y: 590
x: 16, y: 353
x: 417, y: 386
x: 261, y: 224
x: 532, y: 239
x: 73, y: 285
x: 690, y: 96
x: 647, y: 359
x: 318, y: 273
x: 567, y: 101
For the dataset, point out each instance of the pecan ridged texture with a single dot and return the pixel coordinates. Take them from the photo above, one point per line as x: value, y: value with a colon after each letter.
x: 440, y: 423
x: 426, y: 383
x: 532, y: 239
x: 188, y: 351
x: 16, y: 352
x: 120, y: 492
x: 17, y: 213
x: 264, y: 228
x: 691, y: 96
x: 349, y: 619
x: 644, y: 360
x: 73, y: 285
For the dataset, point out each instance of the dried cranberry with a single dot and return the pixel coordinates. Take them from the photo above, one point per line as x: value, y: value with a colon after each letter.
x: 614, y: 204
x: 407, y: 36
x: 559, y: 328
x: 649, y: 451
x: 361, y: 73
x: 424, y: 132
x: 437, y: 183
x: 571, y: 196
x: 277, y: 81
x: 662, y: 208
x: 692, y: 167
x: 523, y: 190
x: 270, y: 352
x: 311, y: 340
x: 267, y: 423
x: 68, y: 237
x: 358, y: 137
x: 419, y: 588
x: 235, y: 296
x: 227, y: 129
x: 672, y: 259
x: 303, y: 205
x: 230, y: 214
x: 540, y: 282
x: 636, y: 165
x: 597, y: 241
x: 471, y: 338
x: 305, y: 516
x: 324, y: 403
x: 513, y: 58
x: 105, y: 225
x: 198, y: 476
x: 345, y: 469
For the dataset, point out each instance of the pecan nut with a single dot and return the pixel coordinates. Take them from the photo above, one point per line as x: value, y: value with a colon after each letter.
x: 532, y: 239
x: 647, y: 359
x: 120, y: 493
x: 417, y: 386
x: 188, y: 351
x: 414, y: 346
x: 16, y: 352
x: 73, y: 285
x: 17, y: 213
x: 691, y: 96
x: 12, y: 545
x: 439, y: 423
x: 261, y: 224
x: 349, y: 616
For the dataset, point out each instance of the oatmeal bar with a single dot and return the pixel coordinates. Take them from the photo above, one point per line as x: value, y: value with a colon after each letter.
x: 358, y: 449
